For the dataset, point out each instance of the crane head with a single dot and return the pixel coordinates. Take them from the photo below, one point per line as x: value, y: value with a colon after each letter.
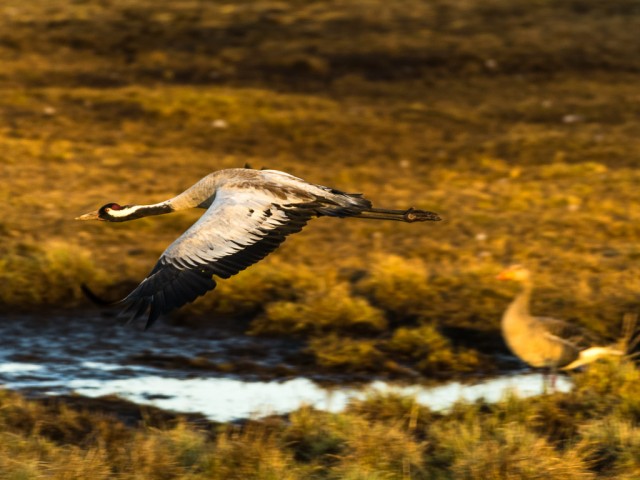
x: 102, y: 213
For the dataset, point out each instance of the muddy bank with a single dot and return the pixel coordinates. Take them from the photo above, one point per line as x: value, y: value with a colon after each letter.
x: 129, y: 413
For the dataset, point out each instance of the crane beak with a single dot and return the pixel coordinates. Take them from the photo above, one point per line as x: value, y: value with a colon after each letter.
x: 89, y: 216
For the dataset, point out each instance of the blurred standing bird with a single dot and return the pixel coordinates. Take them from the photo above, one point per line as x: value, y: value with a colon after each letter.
x: 543, y: 341
x: 249, y: 213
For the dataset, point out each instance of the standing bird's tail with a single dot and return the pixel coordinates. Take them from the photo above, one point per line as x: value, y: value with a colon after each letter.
x: 411, y: 215
x: 591, y: 355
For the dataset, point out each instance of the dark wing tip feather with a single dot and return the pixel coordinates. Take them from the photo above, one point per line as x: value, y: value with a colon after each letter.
x: 164, y: 290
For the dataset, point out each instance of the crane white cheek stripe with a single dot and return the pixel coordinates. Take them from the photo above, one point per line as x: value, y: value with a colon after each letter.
x: 124, y: 212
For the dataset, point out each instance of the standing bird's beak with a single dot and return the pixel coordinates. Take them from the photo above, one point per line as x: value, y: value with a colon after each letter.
x: 506, y: 275
x: 89, y: 216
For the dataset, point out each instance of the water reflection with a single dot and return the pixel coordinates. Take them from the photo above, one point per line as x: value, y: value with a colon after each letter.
x: 94, y: 357
x: 15, y: 367
x: 225, y: 399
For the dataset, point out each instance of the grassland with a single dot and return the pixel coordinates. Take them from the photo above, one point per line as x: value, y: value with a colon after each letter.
x: 515, y: 120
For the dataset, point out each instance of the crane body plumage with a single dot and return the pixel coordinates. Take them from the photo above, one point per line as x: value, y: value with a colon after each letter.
x: 249, y: 213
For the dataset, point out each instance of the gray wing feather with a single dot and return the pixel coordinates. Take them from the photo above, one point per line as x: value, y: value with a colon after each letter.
x: 239, y: 229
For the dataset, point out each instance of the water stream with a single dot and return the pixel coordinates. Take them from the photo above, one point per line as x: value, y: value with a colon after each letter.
x: 94, y: 357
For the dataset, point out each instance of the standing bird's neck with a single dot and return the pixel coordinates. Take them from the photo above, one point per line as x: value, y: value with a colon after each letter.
x: 520, y: 305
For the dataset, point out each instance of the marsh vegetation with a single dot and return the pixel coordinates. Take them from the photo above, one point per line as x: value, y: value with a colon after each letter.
x: 515, y: 120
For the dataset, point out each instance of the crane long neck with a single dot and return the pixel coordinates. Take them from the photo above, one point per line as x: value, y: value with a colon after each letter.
x: 200, y: 195
x: 133, y: 212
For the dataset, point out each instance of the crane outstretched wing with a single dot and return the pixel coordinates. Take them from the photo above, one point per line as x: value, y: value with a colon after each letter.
x: 237, y: 230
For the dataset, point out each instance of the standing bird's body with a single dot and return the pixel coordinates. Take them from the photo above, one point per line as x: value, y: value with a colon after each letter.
x: 545, y: 342
x: 249, y: 213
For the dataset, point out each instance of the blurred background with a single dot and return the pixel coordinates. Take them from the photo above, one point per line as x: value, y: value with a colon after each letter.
x: 515, y: 120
